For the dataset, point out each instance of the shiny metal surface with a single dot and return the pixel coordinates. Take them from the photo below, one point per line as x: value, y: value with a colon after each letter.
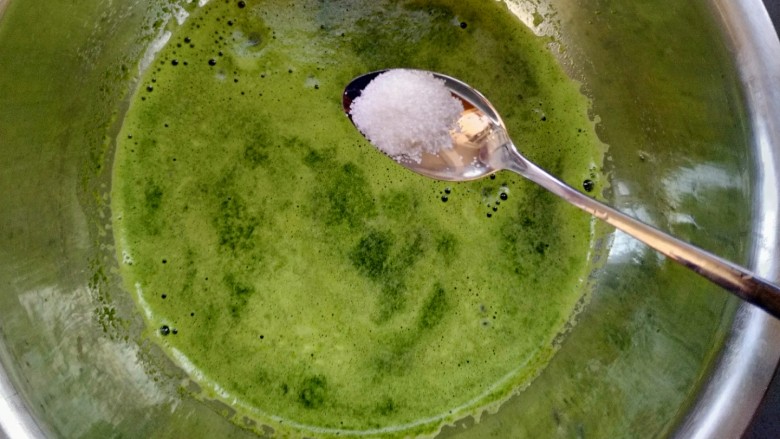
x: 15, y: 420
x: 728, y: 400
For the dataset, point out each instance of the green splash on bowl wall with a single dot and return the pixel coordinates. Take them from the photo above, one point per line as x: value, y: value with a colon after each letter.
x: 661, y: 82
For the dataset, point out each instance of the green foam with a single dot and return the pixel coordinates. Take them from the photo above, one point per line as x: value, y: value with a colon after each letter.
x: 312, y: 283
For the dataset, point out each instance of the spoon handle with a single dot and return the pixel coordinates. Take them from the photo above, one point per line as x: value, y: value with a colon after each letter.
x: 728, y: 275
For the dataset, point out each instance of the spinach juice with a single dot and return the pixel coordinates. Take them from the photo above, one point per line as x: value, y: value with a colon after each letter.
x: 305, y: 279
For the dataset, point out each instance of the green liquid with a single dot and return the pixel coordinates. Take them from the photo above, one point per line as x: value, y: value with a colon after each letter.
x: 307, y: 280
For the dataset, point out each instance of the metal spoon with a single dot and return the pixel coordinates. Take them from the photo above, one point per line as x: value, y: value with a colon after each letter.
x: 483, y: 147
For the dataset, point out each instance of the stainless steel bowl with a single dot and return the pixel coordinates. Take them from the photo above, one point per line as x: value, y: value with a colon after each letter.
x: 688, y: 100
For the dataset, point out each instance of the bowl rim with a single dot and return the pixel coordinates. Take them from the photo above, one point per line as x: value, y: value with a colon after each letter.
x: 747, y: 361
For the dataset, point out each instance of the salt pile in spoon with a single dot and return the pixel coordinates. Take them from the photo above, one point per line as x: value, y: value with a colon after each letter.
x: 406, y: 113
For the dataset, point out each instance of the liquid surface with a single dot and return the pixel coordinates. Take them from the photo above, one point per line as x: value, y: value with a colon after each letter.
x: 304, y: 278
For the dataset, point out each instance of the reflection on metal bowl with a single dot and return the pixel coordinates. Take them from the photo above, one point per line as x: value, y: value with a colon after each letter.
x: 684, y: 94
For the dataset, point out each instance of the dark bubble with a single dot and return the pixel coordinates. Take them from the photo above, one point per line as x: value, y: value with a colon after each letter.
x: 149, y: 88
x: 463, y: 25
x: 164, y: 296
x: 489, y: 215
x: 174, y: 62
x: 503, y: 196
x: 588, y: 185
x: 447, y: 190
x: 492, y: 176
x: 242, y: 4
x: 220, y: 53
x: 192, y: 314
x: 174, y: 331
x: 187, y: 39
x: 212, y: 62
x: 165, y: 330
x: 230, y: 22
x: 444, y: 198
x: 164, y: 261
x: 495, y: 209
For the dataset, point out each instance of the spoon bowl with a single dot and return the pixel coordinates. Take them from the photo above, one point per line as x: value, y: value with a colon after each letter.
x: 481, y: 132
x: 481, y: 146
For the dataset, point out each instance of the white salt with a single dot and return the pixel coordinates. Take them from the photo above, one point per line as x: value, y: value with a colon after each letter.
x: 406, y: 113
